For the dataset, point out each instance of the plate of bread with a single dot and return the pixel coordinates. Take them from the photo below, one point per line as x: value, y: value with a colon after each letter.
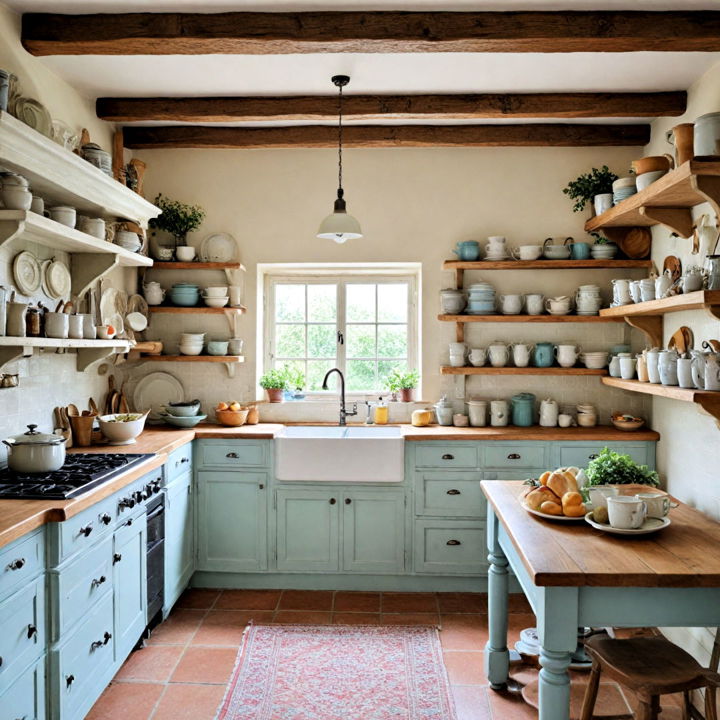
x: 557, y: 497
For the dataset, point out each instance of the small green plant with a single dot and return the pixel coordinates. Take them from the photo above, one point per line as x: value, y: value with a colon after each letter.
x: 600, y: 239
x: 294, y: 378
x: 587, y: 186
x: 177, y: 218
x: 273, y: 380
x: 611, y: 468
x: 399, y: 380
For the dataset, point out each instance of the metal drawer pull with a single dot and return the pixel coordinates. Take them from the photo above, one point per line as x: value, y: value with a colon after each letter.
x: 117, y: 557
x: 453, y: 492
x: 448, y: 456
x: 233, y: 456
x: 16, y: 564
x: 593, y: 456
x: 106, y: 638
x: 513, y: 456
x: 332, y: 501
x: 261, y: 486
x: 86, y: 530
x: 97, y: 582
x: 32, y: 630
x: 69, y: 680
x: 185, y: 459
x: 105, y: 519
x: 453, y: 542
x: 100, y: 643
x: 128, y: 523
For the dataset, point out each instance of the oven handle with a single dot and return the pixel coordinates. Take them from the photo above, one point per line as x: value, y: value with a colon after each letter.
x: 159, y: 510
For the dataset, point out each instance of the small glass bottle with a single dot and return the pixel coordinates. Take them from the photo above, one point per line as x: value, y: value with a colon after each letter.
x: 381, y: 412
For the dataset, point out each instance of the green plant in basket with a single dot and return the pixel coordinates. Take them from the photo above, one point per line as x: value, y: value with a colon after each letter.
x: 611, y: 468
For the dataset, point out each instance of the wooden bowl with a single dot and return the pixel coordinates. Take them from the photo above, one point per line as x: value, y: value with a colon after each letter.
x: 233, y: 418
x: 652, y: 164
x: 626, y: 423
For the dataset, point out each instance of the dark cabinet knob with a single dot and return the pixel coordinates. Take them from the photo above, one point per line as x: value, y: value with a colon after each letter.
x: 32, y: 630
x: 16, y: 564
x: 448, y: 456
x: 69, y: 680
x: 513, y: 456
x: 348, y: 501
x: 105, y: 519
x: 593, y: 456
x: 95, y: 644
x: 86, y: 530
x: 106, y: 638
x: 261, y: 486
x: 128, y: 523
x: 117, y: 557
x: 453, y: 491
x: 126, y: 502
x: 138, y: 497
x: 453, y: 542
x: 185, y: 460
x: 232, y: 456
x: 332, y: 501
x: 97, y: 582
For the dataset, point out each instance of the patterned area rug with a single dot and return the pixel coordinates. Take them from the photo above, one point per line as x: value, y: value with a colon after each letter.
x: 338, y: 672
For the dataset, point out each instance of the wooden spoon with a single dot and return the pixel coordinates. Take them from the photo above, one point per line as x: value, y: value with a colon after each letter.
x: 93, y: 407
x: 72, y: 410
x: 713, y: 345
x: 689, y: 337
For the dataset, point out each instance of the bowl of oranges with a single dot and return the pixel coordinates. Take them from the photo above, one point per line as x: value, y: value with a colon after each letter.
x: 232, y: 414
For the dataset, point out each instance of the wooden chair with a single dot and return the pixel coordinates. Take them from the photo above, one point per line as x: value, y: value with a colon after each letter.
x: 651, y: 667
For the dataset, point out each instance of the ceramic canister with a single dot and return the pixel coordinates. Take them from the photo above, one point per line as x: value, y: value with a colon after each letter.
x: 498, y: 413
x: 653, y: 357
x: 523, y: 409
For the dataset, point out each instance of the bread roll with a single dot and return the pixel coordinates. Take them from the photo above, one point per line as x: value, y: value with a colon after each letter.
x: 551, y: 508
x: 538, y: 496
x: 572, y: 504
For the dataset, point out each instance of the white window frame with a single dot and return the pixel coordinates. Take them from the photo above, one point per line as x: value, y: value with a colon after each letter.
x: 271, y: 275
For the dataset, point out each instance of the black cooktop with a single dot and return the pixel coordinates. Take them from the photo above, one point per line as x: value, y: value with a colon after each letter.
x: 80, y: 473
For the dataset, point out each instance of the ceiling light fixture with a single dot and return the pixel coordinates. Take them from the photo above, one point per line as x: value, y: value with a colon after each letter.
x: 339, y: 226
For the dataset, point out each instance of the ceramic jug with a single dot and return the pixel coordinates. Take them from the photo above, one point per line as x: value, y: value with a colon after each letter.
x: 692, y: 280
x: 154, y: 294
x: 706, y: 370
x: 16, y: 313
x: 521, y: 354
x: 642, y: 371
x: 544, y: 354
x: 567, y: 355
x: 498, y: 413
x: 663, y: 283
x: 614, y: 367
x: 667, y: 367
x: 499, y: 354
x: 548, y: 413
x: 621, y: 291
x: 511, y: 304
x: 713, y: 263
x: 652, y: 358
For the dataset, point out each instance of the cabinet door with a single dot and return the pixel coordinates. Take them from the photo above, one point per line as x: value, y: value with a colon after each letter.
x: 374, y: 531
x: 178, y: 546
x: 307, y: 530
x: 129, y: 584
x: 232, y: 521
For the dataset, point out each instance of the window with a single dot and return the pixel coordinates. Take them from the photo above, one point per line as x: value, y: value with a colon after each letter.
x: 365, y: 324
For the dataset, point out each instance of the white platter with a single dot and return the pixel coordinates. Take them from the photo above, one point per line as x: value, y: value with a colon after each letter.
x: 155, y: 391
x: 650, y: 525
x: 27, y: 273
x: 558, y: 518
x: 219, y: 247
x: 57, y: 280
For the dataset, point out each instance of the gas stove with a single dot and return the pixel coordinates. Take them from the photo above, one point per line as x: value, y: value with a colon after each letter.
x: 81, y: 473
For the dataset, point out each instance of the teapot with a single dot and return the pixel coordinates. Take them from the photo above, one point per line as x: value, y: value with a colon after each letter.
x: 663, y: 283
x: 154, y: 293
x: 706, y: 370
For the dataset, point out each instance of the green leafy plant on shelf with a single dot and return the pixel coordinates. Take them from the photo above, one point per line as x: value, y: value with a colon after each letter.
x: 273, y: 380
x: 403, y: 382
x: 587, y: 186
x: 294, y: 378
x: 177, y: 218
x: 611, y: 468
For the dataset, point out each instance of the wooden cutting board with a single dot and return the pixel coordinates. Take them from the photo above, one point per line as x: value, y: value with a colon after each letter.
x: 636, y: 243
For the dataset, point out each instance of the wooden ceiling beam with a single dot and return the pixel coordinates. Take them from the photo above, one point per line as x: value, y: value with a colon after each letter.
x: 384, y: 136
x: 258, y: 33
x: 392, y: 107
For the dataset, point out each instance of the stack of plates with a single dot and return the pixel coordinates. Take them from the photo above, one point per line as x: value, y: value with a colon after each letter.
x: 623, y: 194
x: 481, y: 299
x: 623, y: 188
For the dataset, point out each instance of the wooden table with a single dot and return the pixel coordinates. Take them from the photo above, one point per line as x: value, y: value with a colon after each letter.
x: 575, y: 576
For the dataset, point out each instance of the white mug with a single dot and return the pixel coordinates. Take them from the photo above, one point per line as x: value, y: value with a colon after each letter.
x: 56, y: 324
x: 521, y: 354
x: 564, y: 420
x: 658, y: 506
x: 534, y: 304
x: 626, y: 513
x: 185, y: 253
x: 498, y: 413
x: 75, y: 327
x: 235, y: 346
x: 499, y: 355
x: 235, y: 293
x: 567, y: 355
x: 478, y: 356
x: 599, y: 495
x: 527, y: 252
x: 684, y: 372
x: 511, y: 304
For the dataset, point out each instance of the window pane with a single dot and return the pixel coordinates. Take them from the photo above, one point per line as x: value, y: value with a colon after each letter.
x: 289, y: 303
x: 316, y: 373
x: 392, y: 341
x: 293, y: 367
x: 322, y: 300
x: 360, y: 341
x: 360, y: 301
x: 361, y: 375
x: 322, y: 341
x: 392, y: 302
x: 290, y: 341
x: 385, y: 367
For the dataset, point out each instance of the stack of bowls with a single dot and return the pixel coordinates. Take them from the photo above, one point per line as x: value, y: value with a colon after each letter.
x: 216, y: 296
x: 588, y: 300
x: 595, y: 359
x: 452, y: 302
x: 192, y: 343
x: 128, y: 240
x: 185, y: 294
x: 481, y: 299
x: 623, y: 188
x: 587, y: 415
x: 606, y: 251
x: 183, y: 414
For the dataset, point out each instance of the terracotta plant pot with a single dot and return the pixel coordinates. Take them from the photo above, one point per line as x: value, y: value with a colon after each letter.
x: 683, y: 137
x: 275, y: 395
x: 406, y: 394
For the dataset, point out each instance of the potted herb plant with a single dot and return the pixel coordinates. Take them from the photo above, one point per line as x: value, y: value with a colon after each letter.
x: 294, y: 382
x: 611, y: 468
x: 274, y: 382
x: 177, y: 219
x: 594, y: 187
x: 403, y: 383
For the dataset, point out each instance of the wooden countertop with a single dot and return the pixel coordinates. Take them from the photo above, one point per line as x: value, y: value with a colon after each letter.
x: 683, y: 554
x: 18, y: 517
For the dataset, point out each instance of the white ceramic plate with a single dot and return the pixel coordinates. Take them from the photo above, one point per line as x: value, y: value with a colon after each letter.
x: 112, y: 302
x: 57, y: 280
x: 27, y: 273
x: 219, y: 247
x: 155, y: 391
x: 650, y: 525
x: 34, y: 115
x: 559, y: 518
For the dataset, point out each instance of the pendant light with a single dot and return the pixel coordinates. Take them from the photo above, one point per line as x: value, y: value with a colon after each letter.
x: 339, y: 226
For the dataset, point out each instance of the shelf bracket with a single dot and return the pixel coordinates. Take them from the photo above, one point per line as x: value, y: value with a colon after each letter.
x: 709, y: 186
x: 88, y: 268
x: 231, y: 315
x: 231, y: 367
x: 10, y: 229
x: 713, y: 310
x: 459, y: 278
x: 460, y: 332
x: 651, y: 325
x: 710, y: 404
x: 87, y: 356
x: 678, y: 220
x: 11, y: 353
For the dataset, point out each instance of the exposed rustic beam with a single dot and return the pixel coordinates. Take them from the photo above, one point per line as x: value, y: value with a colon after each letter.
x: 387, y: 32
x: 380, y: 136
x: 393, y: 107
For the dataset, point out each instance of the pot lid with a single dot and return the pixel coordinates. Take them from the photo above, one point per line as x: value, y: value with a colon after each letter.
x: 33, y: 437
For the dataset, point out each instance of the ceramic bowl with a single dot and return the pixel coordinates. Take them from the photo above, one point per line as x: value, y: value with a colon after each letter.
x: 217, y: 347
x: 183, y: 422
x: 185, y: 253
x: 103, y: 333
x: 216, y: 292
x: 16, y: 197
x: 192, y: 337
x: 647, y: 178
x: 121, y: 433
x: 216, y: 302
x: 64, y: 215
x: 627, y: 422
x: 624, y: 182
x: 653, y: 163
x: 556, y: 252
x: 234, y: 418
x: 184, y: 299
x: 164, y: 253
x: 13, y: 179
x: 587, y: 419
x: 183, y: 409
x: 191, y: 349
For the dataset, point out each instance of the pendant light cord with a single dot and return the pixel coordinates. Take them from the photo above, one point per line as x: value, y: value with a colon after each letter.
x: 340, y: 139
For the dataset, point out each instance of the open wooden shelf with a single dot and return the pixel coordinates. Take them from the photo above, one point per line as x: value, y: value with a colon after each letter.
x: 198, y: 265
x: 195, y: 358
x: 545, y: 264
x: 88, y: 351
x: 528, y: 318
x: 489, y: 370
x: 701, y: 300
x: 708, y: 401
x: 668, y: 201
x: 197, y: 310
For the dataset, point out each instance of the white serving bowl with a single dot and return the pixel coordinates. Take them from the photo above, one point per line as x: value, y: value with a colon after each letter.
x: 191, y: 349
x: 16, y: 197
x: 216, y: 302
x: 122, y: 433
x: 192, y: 337
x: 216, y: 291
x: 645, y: 179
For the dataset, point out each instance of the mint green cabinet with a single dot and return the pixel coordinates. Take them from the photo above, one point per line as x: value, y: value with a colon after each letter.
x: 232, y: 520
x: 25, y: 698
x: 178, y: 546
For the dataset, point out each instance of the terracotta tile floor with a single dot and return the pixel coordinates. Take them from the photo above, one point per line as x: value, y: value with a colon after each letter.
x: 181, y: 674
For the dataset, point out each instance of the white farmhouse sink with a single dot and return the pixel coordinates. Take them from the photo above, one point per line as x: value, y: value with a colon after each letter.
x: 340, y: 454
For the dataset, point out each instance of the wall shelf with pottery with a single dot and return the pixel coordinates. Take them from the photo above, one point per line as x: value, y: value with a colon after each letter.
x: 668, y: 201
x: 199, y: 266
x: 64, y: 178
x: 90, y: 258
x: 545, y: 264
x: 88, y: 351
x: 230, y: 361
x: 490, y: 370
x: 707, y: 400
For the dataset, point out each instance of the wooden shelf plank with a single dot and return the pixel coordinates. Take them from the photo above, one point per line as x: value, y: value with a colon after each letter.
x: 41, y: 342
x: 681, y: 189
x: 198, y: 265
x: 545, y: 264
x: 528, y: 318
x: 489, y: 370
x: 195, y: 358
x: 700, y: 300
x: 199, y: 310
x: 672, y: 392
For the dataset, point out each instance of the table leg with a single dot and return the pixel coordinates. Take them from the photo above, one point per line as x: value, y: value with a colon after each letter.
x: 497, y: 657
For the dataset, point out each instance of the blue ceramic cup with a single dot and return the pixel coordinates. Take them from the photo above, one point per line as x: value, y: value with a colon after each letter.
x: 544, y: 354
x: 468, y: 250
x: 580, y: 251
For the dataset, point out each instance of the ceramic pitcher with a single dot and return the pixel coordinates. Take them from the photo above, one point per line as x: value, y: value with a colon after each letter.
x: 154, y: 294
x: 548, y: 413
x: 521, y: 354
x: 499, y: 354
x: 663, y: 283
x: 544, y: 354
x: 706, y: 370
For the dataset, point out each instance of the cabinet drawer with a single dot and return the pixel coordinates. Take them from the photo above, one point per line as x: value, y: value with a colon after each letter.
x: 579, y: 455
x: 76, y: 586
x: 25, y: 698
x: 22, y: 638
x: 82, y: 531
x: 20, y: 561
x: 84, y: 656
x: 450, y: 495
x: 179, y: 461
x: 240, y: 454
x: 513, y: 455
x: 448, y: 547
x: 446, y: 455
